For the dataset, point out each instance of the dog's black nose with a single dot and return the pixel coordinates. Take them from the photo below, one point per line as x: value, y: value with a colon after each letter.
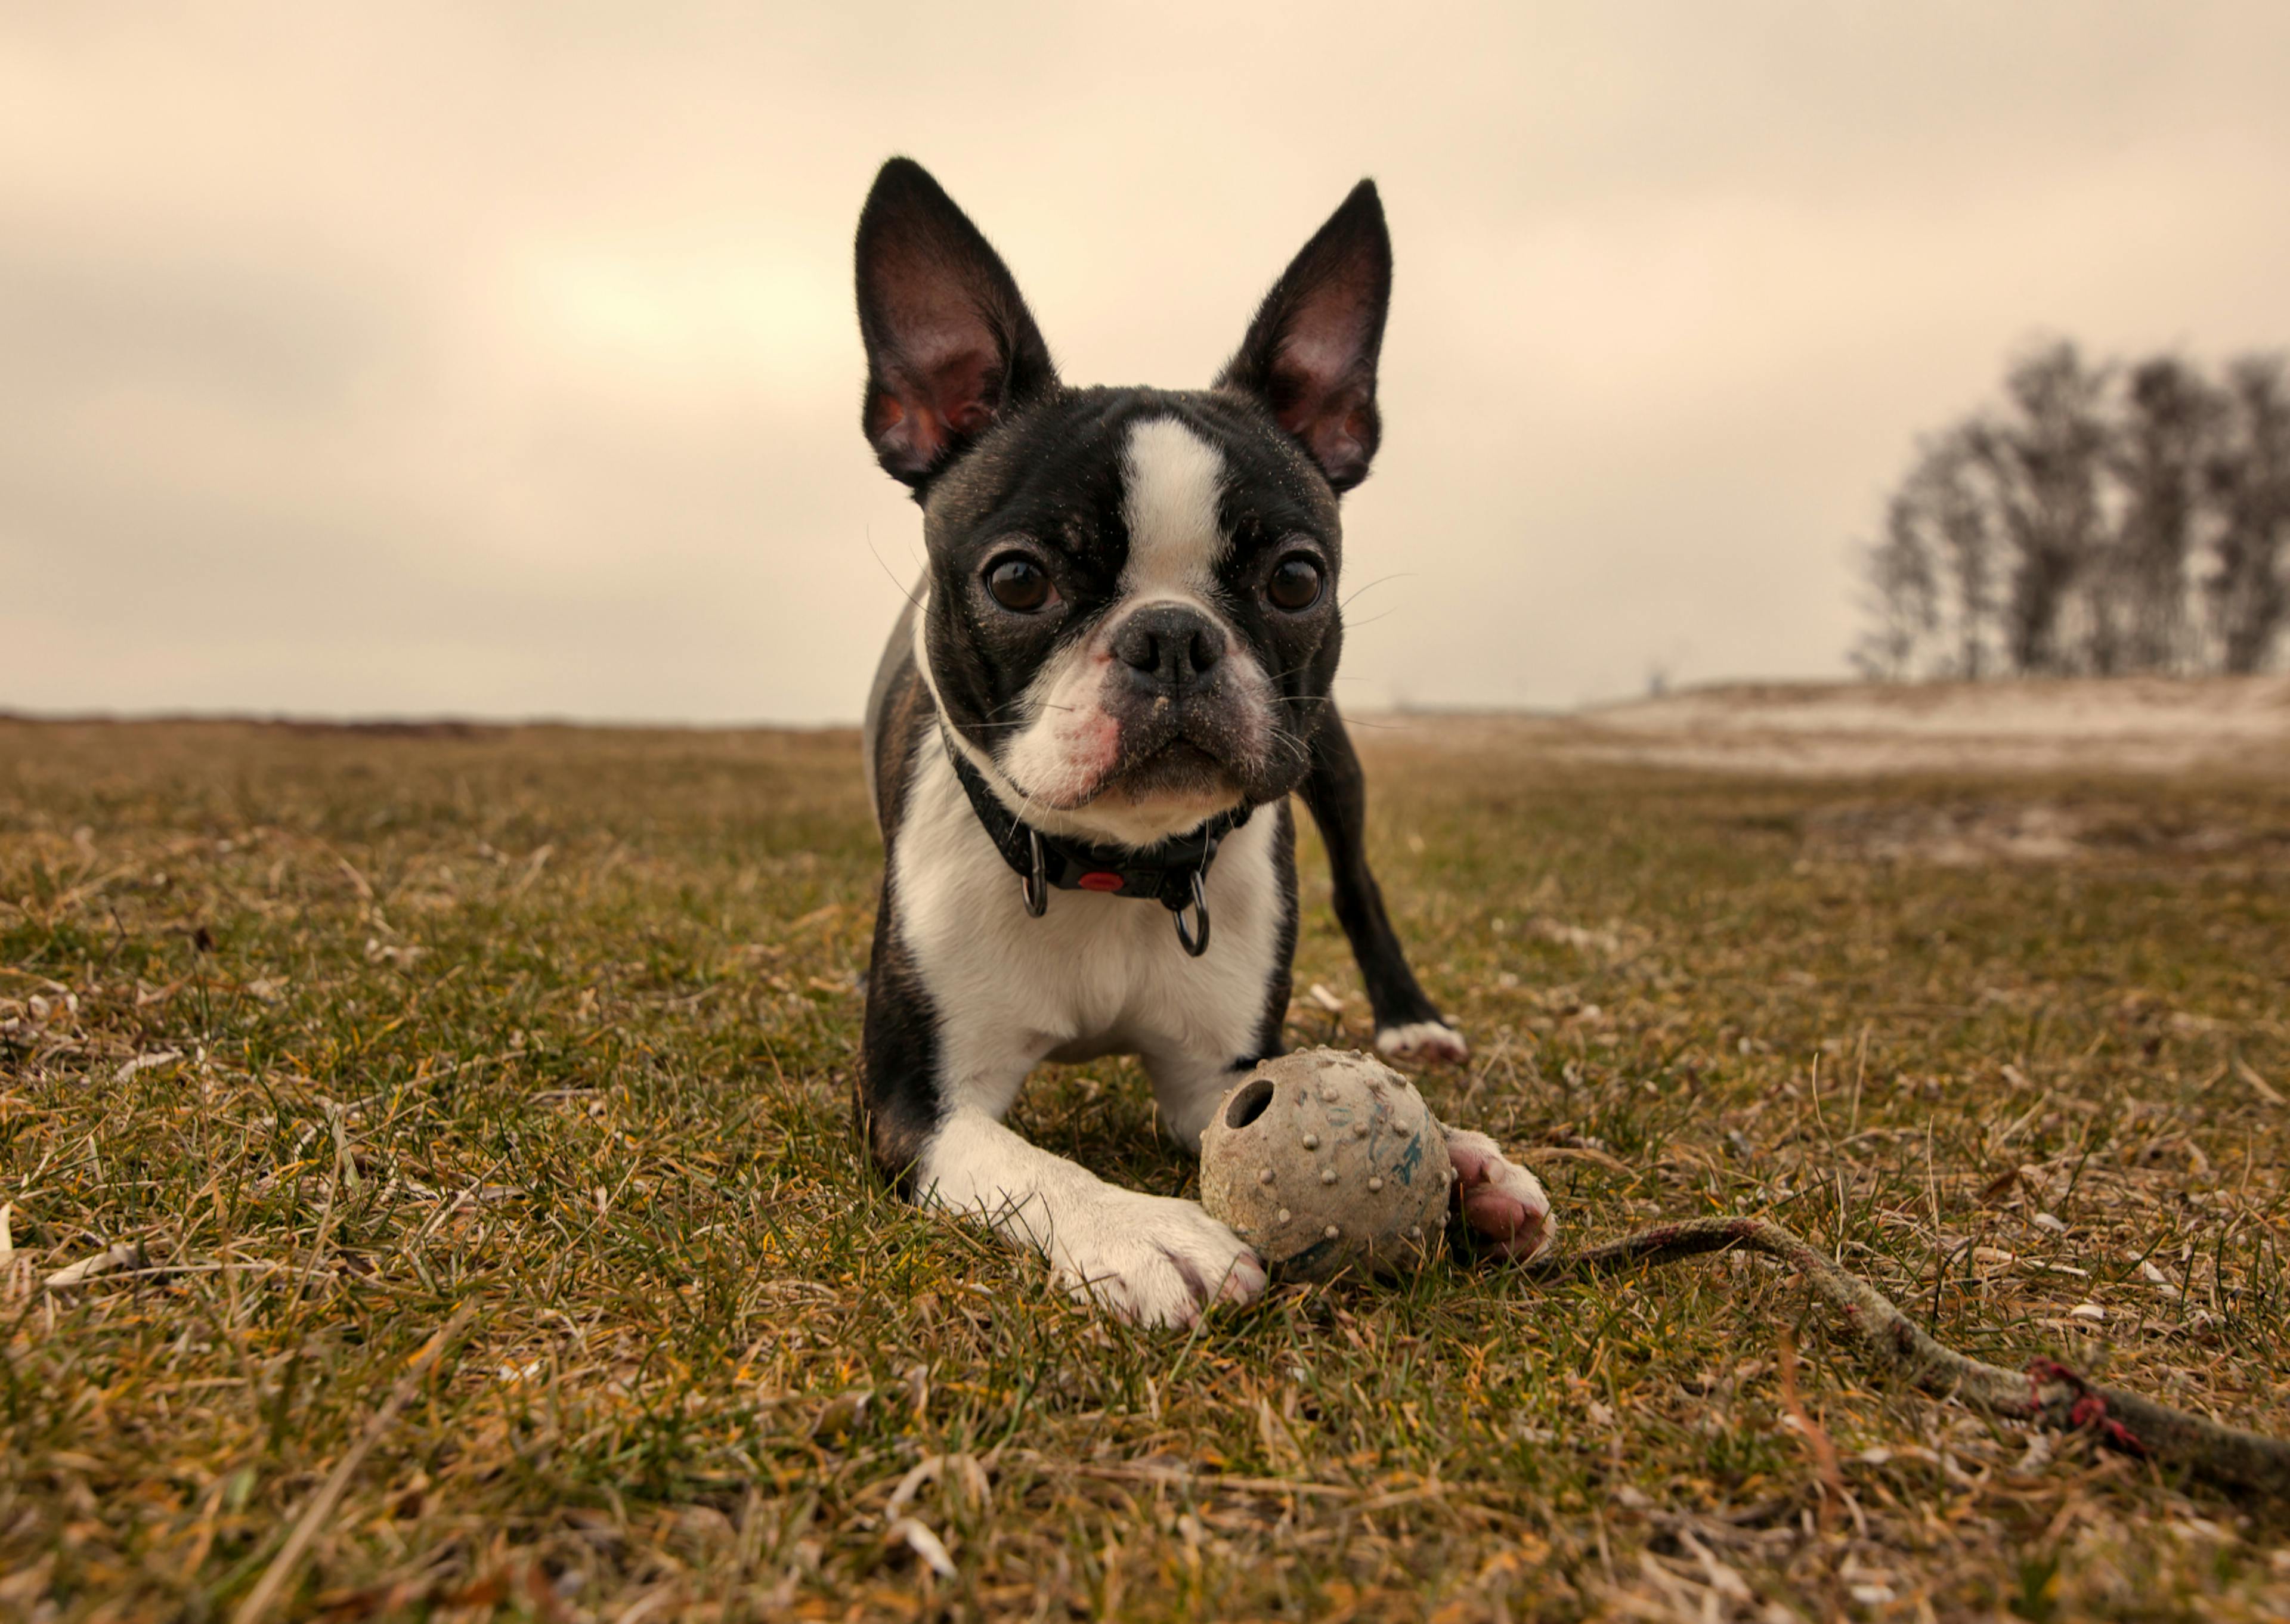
x: 1172, y: 648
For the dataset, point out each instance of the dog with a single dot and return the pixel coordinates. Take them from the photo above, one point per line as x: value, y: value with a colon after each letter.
x: 1085, y: 731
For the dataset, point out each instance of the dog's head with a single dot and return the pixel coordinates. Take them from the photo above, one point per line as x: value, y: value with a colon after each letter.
x: 1132, y: 621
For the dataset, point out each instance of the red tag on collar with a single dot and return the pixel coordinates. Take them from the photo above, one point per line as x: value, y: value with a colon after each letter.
x: 1101, y: 881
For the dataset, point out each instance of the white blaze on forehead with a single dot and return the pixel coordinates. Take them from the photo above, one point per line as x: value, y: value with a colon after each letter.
x: 1172, y: 480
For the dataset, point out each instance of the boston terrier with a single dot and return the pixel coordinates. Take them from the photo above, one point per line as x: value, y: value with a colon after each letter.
x: 1084, y: 735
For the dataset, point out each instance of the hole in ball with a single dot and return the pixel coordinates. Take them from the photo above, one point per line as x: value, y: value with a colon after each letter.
x: 1249, y: 1104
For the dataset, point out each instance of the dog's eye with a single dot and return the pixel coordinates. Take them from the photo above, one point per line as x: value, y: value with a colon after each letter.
x: 1295, y: 584
x: 1019, y: 584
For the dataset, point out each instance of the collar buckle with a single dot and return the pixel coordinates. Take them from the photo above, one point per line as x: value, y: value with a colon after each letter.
x: 1034, y: 884
x: 1196, y: 940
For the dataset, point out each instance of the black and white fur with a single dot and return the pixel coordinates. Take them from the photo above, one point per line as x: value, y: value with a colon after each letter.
x: 1158, y: 685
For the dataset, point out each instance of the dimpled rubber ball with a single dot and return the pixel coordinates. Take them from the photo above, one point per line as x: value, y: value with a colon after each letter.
x: 1325, y: 1160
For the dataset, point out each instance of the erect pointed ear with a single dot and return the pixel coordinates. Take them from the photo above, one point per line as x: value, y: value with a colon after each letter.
x: 1310, y: 353
x: 951, y: 345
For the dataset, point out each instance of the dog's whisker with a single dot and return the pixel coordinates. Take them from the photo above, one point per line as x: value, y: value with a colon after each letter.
x: 1370, y: 586
x: 905, y: 591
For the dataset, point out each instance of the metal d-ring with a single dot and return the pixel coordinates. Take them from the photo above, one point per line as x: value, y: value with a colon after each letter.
x: 1035, y: 885
x: 1198, y: 944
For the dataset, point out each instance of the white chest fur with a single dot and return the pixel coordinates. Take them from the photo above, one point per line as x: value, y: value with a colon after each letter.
x: 1095, y: 974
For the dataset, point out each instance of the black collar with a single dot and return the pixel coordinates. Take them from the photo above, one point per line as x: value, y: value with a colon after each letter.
x: 1170, y: 873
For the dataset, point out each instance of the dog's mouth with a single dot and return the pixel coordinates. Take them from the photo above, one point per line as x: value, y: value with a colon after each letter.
x: 1144, y: 767
x: 1181, y: 771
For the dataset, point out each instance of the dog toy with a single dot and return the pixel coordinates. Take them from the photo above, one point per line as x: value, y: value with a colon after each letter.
x: 2046, y: 1392
x: 1327, y: 1160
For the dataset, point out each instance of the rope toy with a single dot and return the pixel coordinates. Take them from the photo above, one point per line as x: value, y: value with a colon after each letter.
x: 2047, y: 1393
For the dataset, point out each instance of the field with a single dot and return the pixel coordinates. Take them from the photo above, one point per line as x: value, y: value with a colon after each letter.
x: 311, y: 1037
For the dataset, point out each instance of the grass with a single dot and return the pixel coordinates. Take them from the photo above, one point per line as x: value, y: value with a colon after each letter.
x: 341, y: 1030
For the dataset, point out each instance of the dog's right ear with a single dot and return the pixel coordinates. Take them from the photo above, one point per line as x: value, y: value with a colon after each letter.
x: 951, y: 345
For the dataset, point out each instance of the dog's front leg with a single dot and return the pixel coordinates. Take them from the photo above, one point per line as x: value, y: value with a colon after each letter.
x: 965, y: 995
x: 1151, y: 1258
x: 1408, y: 1026
x: 933, y: 1092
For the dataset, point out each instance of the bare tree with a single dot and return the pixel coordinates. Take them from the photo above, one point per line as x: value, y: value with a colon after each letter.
x: 1900, y: 593
x: 2158, y: 458
x: 2060, y: 532
x: 2043, y: 462
x: 2249, y: 481
x: 1946, y: 481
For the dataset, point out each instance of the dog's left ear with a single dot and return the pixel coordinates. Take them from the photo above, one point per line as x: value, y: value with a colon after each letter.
x: 951, y: 345
x: 1310, y: 353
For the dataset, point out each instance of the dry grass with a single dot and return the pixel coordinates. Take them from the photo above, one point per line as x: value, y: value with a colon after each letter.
x: 319, y: 1036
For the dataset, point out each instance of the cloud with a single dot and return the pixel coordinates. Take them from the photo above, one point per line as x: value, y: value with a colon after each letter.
x: 501, y: 361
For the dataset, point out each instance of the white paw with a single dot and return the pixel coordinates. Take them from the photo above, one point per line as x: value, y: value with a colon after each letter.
x: 1154, y: 1260
x: 1421, y: 1042
x: 1502, y: 1202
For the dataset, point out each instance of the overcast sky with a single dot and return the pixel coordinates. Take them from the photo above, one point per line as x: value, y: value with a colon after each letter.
x: 499, y: 360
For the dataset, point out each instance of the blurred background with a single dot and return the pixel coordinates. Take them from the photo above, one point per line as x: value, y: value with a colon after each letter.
x: 499, y: 361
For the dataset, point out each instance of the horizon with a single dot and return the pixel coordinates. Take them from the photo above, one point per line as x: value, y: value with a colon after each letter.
x: 1751, y: 690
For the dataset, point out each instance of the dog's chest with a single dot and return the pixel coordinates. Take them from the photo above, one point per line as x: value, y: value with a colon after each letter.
x: 1092, y: 974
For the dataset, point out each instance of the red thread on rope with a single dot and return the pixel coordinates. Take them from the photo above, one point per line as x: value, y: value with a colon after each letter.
x: 2041, y: 1371
x: 2089, y: 1412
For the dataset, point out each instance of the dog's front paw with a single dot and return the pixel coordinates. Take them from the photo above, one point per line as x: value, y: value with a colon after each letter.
x: 1156, y: 1261
x: 1501, y: 1203
x: 1420, y: 1042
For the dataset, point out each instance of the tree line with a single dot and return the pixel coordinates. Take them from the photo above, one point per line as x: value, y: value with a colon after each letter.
x: 2102, y: 519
